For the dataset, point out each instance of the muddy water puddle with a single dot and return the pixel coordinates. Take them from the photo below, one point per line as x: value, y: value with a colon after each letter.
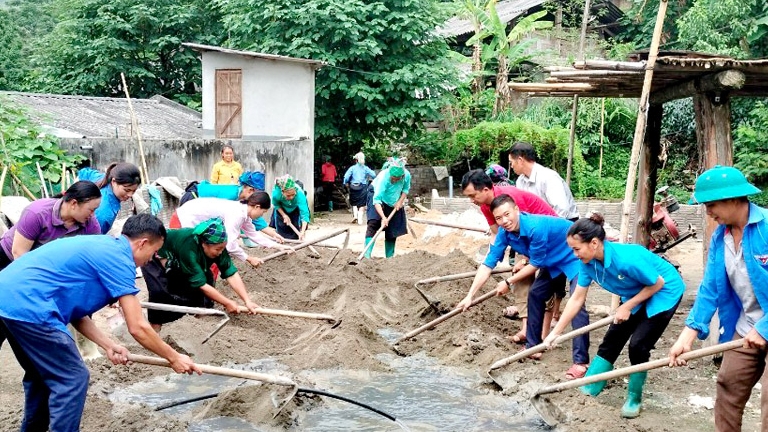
x: 419, y: 392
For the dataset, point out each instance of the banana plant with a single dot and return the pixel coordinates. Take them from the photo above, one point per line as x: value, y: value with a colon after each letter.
x: 508, y: 47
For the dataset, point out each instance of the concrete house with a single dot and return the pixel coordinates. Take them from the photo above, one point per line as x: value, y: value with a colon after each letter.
x: 261, y: 104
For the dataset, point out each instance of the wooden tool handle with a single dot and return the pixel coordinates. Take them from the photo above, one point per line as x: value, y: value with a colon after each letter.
x: 305, y: 244
x: 541, y: 347
x: 298, y: 234
x: 215, y: 370
x: 642, y: 367
x: 289, y: 313
x: 449, y: 225
x: 457, y: 276
x: 442, y: 318
x: 181, y: 309
x: 375, y: 236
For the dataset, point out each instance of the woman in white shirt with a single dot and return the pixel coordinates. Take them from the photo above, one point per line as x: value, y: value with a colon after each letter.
x: 237, y: 216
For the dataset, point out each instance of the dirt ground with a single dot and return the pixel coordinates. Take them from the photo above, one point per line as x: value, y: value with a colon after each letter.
x: 378, y: 294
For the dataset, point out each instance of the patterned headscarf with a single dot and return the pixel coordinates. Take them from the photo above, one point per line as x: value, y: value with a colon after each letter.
x: 254, y: 179
x: 211, y: 231
x: 396, y: 166
x: 285, y: 182
x: 497, y: 173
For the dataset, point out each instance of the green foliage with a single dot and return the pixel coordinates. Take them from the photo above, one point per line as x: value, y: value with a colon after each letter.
x: 386, y: 71
x: 729, y: 27
x: 488, y: 139
x: 24, y: 23
x: 24, y: 143
x: 751, y: 146
x: 94, y: 41
x: 640, y: 19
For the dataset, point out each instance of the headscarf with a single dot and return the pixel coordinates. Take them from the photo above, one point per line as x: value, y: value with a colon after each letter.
x: 359, y: 157
x: 285, y: 182
x: 497, y: 173
x: 254, y: 179
x: 396, y: 166
x: 327, y: 158
x: 211, y: 231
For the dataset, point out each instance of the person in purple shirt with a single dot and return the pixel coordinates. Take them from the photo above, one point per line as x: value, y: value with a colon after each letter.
x: 48, y: 219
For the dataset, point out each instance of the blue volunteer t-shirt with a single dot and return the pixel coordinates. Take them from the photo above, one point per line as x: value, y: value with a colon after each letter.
x: 543, y: 240
x: 627, y: 269
x: 67, y: 279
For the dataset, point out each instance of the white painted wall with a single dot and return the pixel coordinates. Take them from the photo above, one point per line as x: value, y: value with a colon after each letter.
x: 278, y: 96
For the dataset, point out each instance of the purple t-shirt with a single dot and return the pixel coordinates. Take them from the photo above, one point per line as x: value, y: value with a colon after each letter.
x: 41, y: 221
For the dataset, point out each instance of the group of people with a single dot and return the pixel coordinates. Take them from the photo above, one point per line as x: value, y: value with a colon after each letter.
x: 57, y: 268
x: 538, y: 220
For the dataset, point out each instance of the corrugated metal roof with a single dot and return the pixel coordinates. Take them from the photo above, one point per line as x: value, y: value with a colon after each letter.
x: 263, y: 56
x: 507, y: 10
x: 102, y: 117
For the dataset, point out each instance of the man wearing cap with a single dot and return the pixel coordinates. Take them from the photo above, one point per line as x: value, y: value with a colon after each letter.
x: 735, y: 285
x: 386, y: 197
x: 357, y: 177
x: 180, y: 273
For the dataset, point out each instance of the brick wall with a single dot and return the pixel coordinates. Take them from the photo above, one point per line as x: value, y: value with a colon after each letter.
x: 423, y: 180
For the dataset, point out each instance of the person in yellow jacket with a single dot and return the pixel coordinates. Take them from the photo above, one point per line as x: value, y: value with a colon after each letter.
x: 226, y: 171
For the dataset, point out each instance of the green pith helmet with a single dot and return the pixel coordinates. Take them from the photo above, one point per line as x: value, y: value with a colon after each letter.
x: 721, y: 183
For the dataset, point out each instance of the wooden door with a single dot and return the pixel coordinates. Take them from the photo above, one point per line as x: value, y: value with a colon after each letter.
x: 229, y: 103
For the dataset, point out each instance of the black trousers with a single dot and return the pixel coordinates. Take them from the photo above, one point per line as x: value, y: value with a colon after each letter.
x: 641, y: 332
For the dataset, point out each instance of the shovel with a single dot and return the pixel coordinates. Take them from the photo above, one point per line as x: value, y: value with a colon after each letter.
x: 497, y: 376
x: 435, y: 303
x: 552, y: 415
x: 295, y: 314
x: 373, y: 240
x: 445, y: 317
x: 192, y: 311
x: 306, y: 244
x: 265, y: 378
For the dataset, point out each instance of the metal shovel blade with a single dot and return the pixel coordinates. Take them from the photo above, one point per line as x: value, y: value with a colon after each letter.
x: 280, y: 404
x: 506, y: 380
x: 549, y: 412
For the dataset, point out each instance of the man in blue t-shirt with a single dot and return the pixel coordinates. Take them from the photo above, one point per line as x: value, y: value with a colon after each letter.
x: 64, y: 282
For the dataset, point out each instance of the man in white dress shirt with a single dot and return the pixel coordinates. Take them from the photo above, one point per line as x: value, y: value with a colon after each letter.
x: 542, y: 181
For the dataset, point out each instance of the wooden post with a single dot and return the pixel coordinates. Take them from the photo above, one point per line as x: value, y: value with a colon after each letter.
x: 713, y: 135
x: 575, y: 107
x: 639, y: 137
x: 602, y: 137
x: 647, y: 174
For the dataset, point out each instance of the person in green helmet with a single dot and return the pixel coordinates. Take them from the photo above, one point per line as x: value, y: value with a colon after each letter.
x: 650, y: 289
x: 735, y: 285
x: 386, y: 195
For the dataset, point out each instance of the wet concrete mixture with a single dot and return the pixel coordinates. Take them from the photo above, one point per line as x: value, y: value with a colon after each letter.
x: 374, y: 295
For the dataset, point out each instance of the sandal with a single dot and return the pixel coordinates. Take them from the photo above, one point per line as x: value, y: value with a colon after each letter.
x: 576, y: 371
x: 511, y: 312
x: 518, y: 338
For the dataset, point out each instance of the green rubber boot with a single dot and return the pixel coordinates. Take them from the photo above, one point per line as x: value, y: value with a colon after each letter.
x: 631, y: 408
x: 330, y: 205
x: 598, y: 366
x: 389, y: 248
x: 368, y: 250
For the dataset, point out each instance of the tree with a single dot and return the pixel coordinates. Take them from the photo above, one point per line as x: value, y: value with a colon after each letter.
x: 386, y: 68
x: 736, y: 28
x: 95, y: 40
x: 508, y: 48
x: 25, y: 22
x: 474, y: 10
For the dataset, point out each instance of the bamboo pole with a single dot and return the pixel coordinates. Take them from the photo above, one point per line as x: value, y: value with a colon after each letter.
x: 42, y: 180
x: 610, y: 65
x: 545, y: 87
x: 135, y: 121
x: 602, y: 136
x: 63, y: 177
x: 639, y: 137
x: 575, y: 107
